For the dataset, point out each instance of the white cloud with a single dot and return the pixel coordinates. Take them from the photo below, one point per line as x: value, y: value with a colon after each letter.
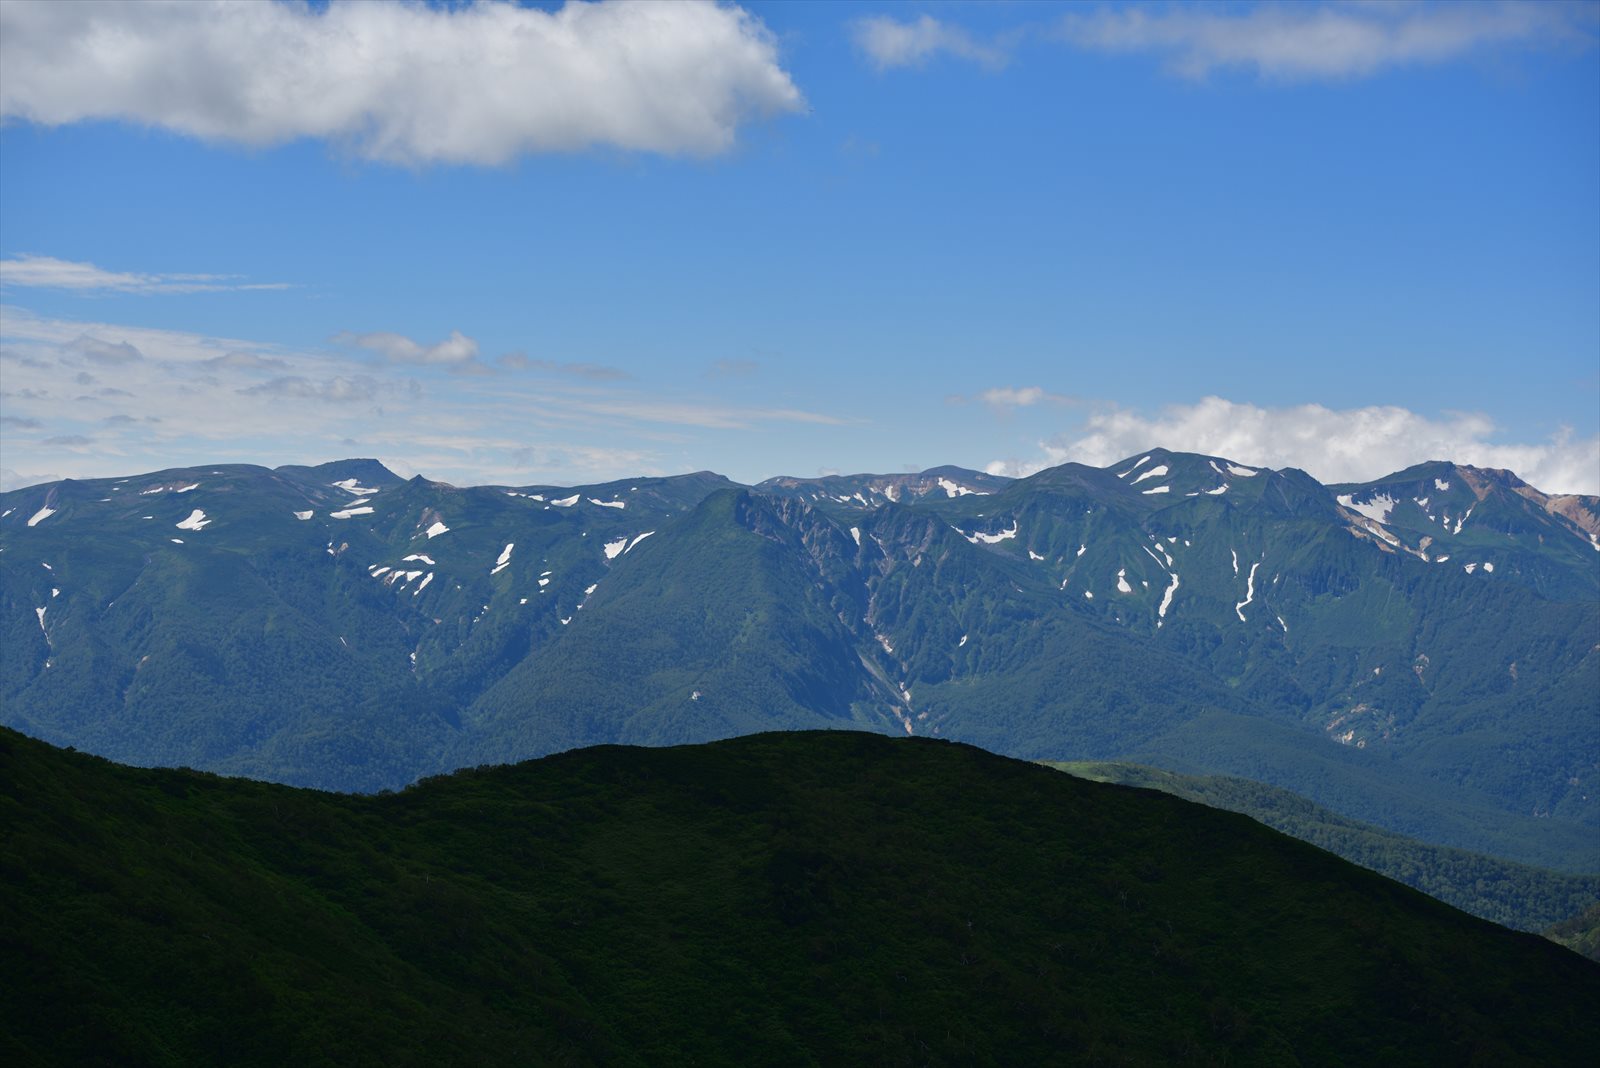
x: 1020, y: 397
x: 889, y: 42
x: 1349, y: 445
x: 397, y: 348
x: 1311, y: 41
x: 400, y: 82
x: 192, y: 398
x: 47, y: 272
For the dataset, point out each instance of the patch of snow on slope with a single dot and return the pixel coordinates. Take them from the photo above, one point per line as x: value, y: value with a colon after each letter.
x: 1249, y: 592
x: 1087, y: 596
x: 197, y: 521
x: 1082, y: 549
x: 346, y: 513
x: 1033, y: 555
x: 1158, y: 489
x: 40, y: 613
x: 1470, y: 568
x: 40, y: 516
x: 567, y: 502
x: 1377, y: 509
x: 350, y: 485
x: 505, y: 558
x: 637, y: 540
x: 423, y: 584
x: 1166, y: 600
x: 179, y: 541
x: 303, y: 516
x: 609, y: 504
x: 855, y: 532
x: 1441, y: 485
x: 424, y: 557
x: 435, y: 530
x: 1122, y: 581
x: 614, y: 549
x: 186, y: 489
x: 1154, y: 472
x: 1235, y: 553
x: 1243, y: 472
x: 991, y: 539
x: 962, y: 642
x: 1488, y: 566
x: 953, y: 489
x: 1462, y: 521
x: 1134, y: 468
x: 1220, y: 489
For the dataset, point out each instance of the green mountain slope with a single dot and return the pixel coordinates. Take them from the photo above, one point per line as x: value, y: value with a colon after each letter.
x: 1516, y: 895
x: 816, y: 898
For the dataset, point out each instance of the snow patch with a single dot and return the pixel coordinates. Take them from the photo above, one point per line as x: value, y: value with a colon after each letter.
x: 1159, y: 489
x: 614, y: 549
x: 991, y: 539
x: 1460, y: 522
x: 435, y: 530
x: 1033, y: 555
x: 1243, y: 472
x: 637, y: 540
x: 186, y: 489
x: 1122, y: 581
x: 962, y: 642
x: 855, y: 532
x: 1441, y: 485
x: 1088, y: 596
x: 1220, y: 489
x: 1377, y: 509
x: 197, y: 521
x: 346, y: 513
x: 303, y: 516
x: 953, y: 489
x: 609, y: 504
x: 1082, y: 549
x: 349, y: 485
x: 40, y: 613
x: 40, y: 516
x: 1166, y: 600
x: 1470, y: 568
x: 423, y: 584
x: 424, y: 557
x: 1154, y: 472
x: 505, y: 558
x: 567, y: 502
x: 1488, y: 566
x: 1249, y: 592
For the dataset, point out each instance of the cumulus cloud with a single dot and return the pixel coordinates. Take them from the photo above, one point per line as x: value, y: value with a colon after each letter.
x: 1324, y: 41
x: 889, y: 42
x: 1348, y: 445
x: 400, y: 82
x: 47, y: 272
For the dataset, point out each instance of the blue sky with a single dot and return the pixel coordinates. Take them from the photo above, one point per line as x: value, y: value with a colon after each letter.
x: 571, y: 244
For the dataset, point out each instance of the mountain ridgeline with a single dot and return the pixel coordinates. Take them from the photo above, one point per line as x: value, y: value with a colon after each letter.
x: 796, y: 898
x: 1421, y: 652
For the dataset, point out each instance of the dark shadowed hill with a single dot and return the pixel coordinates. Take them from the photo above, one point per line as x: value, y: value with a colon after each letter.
x: 816, y: 898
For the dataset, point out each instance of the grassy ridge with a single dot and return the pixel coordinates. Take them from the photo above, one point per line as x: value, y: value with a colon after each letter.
x: 818, y: 898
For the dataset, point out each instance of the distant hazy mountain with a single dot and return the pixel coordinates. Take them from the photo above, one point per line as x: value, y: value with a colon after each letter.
x: 1421, y: 652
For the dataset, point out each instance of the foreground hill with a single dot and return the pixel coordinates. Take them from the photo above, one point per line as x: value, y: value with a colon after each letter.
x: 819, y: 898
x: 1421, y: 652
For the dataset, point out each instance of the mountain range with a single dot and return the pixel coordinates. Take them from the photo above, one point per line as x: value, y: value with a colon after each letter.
x: 1420, y: 652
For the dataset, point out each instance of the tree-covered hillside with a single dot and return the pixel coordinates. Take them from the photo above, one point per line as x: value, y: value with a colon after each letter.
x: 814, y: 898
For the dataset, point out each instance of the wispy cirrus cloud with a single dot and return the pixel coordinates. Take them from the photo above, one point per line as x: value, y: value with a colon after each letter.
x: 190, y: 398
x: 453, y: 351
x: 1334, y: 445
x: 405, y: 83
x: 47, y: 272
x: 890, y: 42
x: 1292, y: 42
